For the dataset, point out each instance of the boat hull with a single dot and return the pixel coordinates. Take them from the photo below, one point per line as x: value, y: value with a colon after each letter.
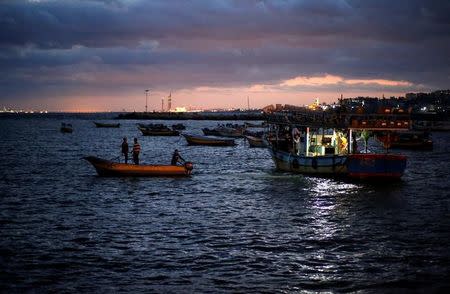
x: 315, y: 165
x: 376, y: 166
x: 205, y: 141
x: 210, y: 132
x: 102, y: 125
x: 109, y: 168
x: 150, y: 132
x: 66, y: 130
x: 179, y: 127
x: 256, y: 142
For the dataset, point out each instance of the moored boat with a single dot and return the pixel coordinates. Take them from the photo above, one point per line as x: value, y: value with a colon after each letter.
x: 66, y: 128
x: 322, y: 147
x: 329, y: 165
x: 210, y: 132
x: 208, y: 141
x: 253, y: 125
x: 256, y: 142
x: 158, y: 132
x: 230, y: 132
x: 109, y: 168
x: 106, y: 125
x: 151, y: 126
x: 415, y: 140
x: 179, y: 127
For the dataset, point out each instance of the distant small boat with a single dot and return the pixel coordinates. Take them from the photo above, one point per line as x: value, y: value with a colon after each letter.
x: 232, y: 131
x: 252, y: 125
x: 109, y: 168
x: 66, y: 128
x: 152, y: 126
x: 229, y: 132
x: 106, y: 125
x: 256, y: 142
x: 208, y: 141
x: 158, y: 132
x: 210, y: 132
x: 179, y: 126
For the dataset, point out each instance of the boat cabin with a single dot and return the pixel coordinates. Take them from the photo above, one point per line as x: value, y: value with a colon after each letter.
x: 309, y: 141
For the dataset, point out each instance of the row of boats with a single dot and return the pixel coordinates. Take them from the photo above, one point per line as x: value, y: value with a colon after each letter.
x: 301, y: 147
x: 68, y: 128
x: 224, y: 135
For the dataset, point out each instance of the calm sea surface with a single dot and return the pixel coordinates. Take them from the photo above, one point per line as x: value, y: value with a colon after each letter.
x: 236, y: 225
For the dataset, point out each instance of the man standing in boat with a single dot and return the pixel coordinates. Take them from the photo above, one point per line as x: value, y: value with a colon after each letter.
x: 125, y: 149
x: 176, y: 157
x: 136, y: 150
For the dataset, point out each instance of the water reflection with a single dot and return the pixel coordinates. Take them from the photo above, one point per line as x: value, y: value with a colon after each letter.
x: 235, y: 225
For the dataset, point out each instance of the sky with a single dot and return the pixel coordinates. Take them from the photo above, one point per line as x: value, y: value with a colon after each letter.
x: 93, y: 55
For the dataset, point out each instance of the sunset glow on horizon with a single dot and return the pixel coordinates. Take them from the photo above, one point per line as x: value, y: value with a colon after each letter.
x: 215, y: 54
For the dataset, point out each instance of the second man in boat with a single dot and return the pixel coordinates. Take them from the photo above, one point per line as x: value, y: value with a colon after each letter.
x: 136, y: 151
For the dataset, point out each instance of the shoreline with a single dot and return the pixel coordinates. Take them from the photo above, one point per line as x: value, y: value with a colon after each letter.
x: 251, y: 116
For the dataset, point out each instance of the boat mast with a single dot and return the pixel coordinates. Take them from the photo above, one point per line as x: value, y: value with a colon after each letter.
x: 350, y: 142
x: 146, y: 99
x: 307, y: 142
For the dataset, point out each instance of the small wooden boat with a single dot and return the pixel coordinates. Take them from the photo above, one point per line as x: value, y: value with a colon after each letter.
x: 179, y: 127
x: 230, y: 132
x: 66, y: 128
x: 106, y: 125
x: 152, y: 126
x: 158, y: 132
x: 376, y: 166
x: 109, y: 168
x: 210, y: 132
x: 224, y: 131
x: 256, y: 142
x: 252, y: 125
x: 208, y: 141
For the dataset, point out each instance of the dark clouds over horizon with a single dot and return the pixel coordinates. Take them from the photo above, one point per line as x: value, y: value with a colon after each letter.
x: 90, y: 48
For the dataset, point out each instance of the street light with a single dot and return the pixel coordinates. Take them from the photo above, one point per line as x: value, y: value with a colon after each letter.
x: 146, y: 99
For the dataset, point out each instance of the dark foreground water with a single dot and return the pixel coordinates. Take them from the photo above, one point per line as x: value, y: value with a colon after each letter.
x: 235, y: 226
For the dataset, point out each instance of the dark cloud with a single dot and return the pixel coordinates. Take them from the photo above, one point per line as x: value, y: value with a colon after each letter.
x: 221, y: 43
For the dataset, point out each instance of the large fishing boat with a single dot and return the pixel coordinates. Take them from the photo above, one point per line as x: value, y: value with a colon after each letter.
x: 318, y: 143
